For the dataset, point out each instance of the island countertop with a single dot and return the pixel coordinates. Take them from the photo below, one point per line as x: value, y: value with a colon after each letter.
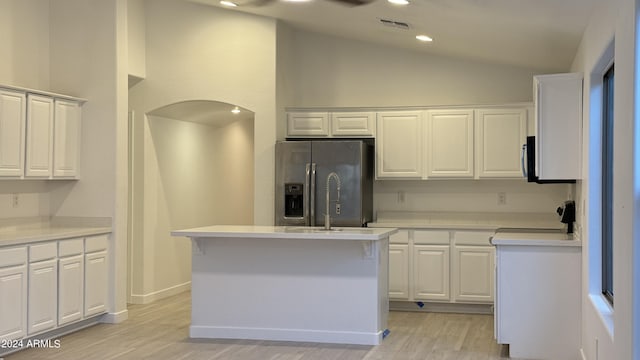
x: 286, y: 232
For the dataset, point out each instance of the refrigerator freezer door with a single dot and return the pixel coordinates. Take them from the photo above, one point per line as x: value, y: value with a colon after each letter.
x: 349, y: 160
x: 293, y: 164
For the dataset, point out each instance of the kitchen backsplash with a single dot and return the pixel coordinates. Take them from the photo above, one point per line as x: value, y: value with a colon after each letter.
x: 469, y: 196
x: 25, y: 198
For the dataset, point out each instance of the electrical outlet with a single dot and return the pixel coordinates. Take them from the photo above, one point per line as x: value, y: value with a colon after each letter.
x: 502, y: 198
x: 14, y: 200
x: 337, y: 208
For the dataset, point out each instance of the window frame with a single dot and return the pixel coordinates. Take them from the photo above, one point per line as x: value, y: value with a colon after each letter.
x: 608, y: 81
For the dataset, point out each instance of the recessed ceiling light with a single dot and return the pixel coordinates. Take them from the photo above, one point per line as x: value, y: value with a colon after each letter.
x: 424, y: 38
x: 235, y: 110
x: 399, y: 2
x: 228, y: 3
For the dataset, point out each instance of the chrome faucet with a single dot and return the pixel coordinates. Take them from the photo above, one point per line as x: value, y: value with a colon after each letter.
x: 327, y: 216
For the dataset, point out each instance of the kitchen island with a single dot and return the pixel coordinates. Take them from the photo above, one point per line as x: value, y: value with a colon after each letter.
x: 289, y: 283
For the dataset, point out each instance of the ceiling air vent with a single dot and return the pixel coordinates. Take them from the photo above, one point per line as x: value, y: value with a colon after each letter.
x: 396, y: 24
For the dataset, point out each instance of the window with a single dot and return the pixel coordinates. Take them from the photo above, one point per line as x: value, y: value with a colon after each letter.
x: 607, y: 185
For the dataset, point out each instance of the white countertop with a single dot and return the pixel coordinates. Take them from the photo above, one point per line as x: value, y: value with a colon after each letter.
x: 534, y: 238
x: 286, y: 232
x: 21, y: 231
x: 27, y: 236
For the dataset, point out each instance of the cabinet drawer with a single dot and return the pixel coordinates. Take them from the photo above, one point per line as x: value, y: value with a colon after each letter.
x: 96, y: 243
x: 401, y: 237
x: 431, y: 237
x: 44, y: 251
x: 473, y: 238
x: 70, y: 247
x: 13, y: 256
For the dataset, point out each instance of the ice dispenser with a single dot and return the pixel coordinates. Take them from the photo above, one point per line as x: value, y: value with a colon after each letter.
x: 293, y: 200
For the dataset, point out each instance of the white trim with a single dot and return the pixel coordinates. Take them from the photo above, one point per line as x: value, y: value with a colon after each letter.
x: 115, y: 318
x: 160, y: 294
x: 582, y: 355
x: 604, y: 311
x: 304, y: 335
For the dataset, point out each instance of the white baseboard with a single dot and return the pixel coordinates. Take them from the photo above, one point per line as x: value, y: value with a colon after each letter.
x: 304, y: 335
x: 160, y: 294
x: 115, y: 318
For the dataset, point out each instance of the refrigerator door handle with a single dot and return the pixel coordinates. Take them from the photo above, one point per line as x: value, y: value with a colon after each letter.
x: 312, y: 194
x: 305, y: 194
x: 523, y: 163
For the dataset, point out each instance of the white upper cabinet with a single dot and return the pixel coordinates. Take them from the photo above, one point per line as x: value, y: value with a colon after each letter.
x: 39, y: 136
x: 354, y: 124
x: 449, y: 143
x: 558, y: 117
x: 331, y: 124
x: 399, y: 144
x: 308, y: 124
x: 12, y: 133
x: 500, y: 133
x: 52, y: 137
x: 66, y: 148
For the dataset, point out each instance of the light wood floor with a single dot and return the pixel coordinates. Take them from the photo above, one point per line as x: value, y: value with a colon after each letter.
x: 161, y: 331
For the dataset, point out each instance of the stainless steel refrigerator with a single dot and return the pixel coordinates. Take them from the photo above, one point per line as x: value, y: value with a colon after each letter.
x: 302, y: 172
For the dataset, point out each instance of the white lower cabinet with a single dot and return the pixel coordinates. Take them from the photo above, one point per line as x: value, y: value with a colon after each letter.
x: 473, y: 273
x: 399, y: 271
x: 70, y: 289
x: 47, y: 285
x: 95, y: 275
x: 431, y: 272
x: 95, y: 290
x: 13, y: 293
x: 43, y: 288
x: 452, y: 266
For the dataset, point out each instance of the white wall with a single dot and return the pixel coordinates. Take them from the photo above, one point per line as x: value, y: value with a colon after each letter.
x: 327, y: 71
x: 136, y: 24
x: 186, y: 175
x: 233, y: 170
x: 468, y: 196
x: 24, y: 61
x: 89, y: 60
x: 198, y: 52
x: 332, y: 71
x: 609, y: 335
x: 24, y: 39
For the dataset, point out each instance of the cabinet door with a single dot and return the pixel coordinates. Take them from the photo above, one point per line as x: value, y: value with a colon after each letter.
x: 398, y: 144
x: 431, y: 272
x: 473, y: 273
x: 353, y: 124
x: 70, y: 289
x: 13, y: 302
x: 500, y: 134
x: 95, y: 283
x: 43, y: 295
x: 12, y: 132
x: 399, y: 271
x: 39, y: 136
x: 66, y: 140
x: 449, y: 139
x: 307, y: 124
x: 558, y: 117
